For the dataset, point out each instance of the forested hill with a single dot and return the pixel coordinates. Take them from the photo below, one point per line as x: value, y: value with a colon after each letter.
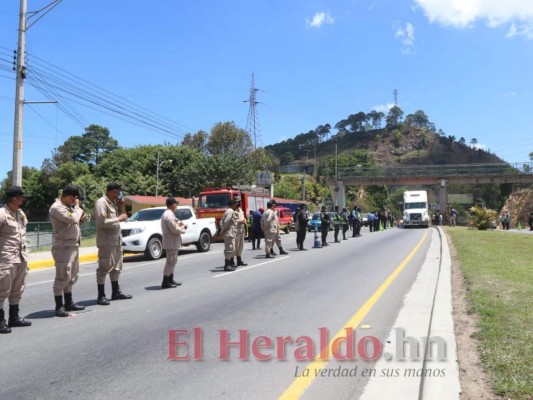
x: 384, y: 140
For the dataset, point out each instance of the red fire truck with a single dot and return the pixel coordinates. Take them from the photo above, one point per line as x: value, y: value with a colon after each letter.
x: 212, y: 202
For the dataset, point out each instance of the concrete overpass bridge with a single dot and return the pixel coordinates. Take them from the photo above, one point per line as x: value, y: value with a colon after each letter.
x: 440, y: 175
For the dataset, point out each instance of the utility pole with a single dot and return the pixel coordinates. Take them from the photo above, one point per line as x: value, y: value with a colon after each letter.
x: 20, y: 70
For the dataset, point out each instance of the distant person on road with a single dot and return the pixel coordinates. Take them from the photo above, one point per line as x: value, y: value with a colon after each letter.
x: 172, y: 229
x: 325, y: 221
x: 301, y: 223
x: 356, y: 222
x: 66, y: 217
x: 506, y: 221
x: 13, y: 257
x: 109, y: 212
x: 453, y: 217
x: 270, y: 226
x: 370, y: 220
x: 391, y: 219
x: 531, y: 221
x: 241, y: 233
x: 257, y: 232
x: 228, y: 229
x: 337, y: 223
x: 345, y: 222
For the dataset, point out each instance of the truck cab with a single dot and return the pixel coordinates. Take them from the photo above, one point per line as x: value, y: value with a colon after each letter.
x: 415, y: 208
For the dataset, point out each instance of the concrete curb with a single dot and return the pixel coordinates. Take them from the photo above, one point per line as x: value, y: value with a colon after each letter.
x: 418, y: 318
x: 40, y: 264
x: 84, y: 258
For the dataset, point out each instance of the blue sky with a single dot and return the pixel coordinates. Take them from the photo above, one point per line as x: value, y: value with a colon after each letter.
x: 468, y: 66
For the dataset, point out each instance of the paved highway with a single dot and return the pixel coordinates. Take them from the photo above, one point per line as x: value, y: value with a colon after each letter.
x: 122, y: 351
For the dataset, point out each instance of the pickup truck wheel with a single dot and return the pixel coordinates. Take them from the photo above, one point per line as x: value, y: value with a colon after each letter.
x: 154, y: 249
x: 204, y: 242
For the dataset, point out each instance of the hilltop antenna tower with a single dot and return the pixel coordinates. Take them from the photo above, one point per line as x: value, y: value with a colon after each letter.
x: 395, y: 93
x: 252, y: 123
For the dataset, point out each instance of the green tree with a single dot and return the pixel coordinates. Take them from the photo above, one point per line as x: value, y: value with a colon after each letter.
x: 376, y: 117
x: 88, y: 148
x: 196, y: 141
x: 394, y: 117
x: 228, y: 139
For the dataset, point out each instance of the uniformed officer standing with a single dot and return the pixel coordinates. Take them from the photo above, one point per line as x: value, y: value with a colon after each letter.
x: 66, y: 216
x: 302, y: 223
x: 109, y: 211
x: 325, y: 221
x: 228, y: 229
x: 270, y: 226
x: 172, y: 229
x: 13, y: 257
x: 337, y: 223
x: 241, y: 233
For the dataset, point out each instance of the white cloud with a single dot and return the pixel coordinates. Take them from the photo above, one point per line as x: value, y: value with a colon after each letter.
x: 463, y: 14
x: 506, y: 95
x: 407, y: 35
x: 319, y: 19
x: 384, y: 108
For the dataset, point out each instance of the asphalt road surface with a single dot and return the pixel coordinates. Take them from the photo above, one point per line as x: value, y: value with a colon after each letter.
x: 121, y: 351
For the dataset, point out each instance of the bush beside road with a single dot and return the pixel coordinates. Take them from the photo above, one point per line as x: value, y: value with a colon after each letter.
x: 499, y: 276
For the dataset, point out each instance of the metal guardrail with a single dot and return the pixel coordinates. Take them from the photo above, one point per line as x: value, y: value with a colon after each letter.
x: 40, y: 234
x: 525, y: 168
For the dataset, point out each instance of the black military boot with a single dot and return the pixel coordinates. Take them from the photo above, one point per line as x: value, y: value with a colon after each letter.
x: 227, y: 266
x: 14, y: 320
x: 171, y: 280
x: 232, y: 262
x: 101, y: 296
x: 4, y: 328
x: 273, y: 252
x: 70, y: 305
x: 60, y: 308
x: 270, y: 255
x: 117, y: 294
x: 240, y: 262
x: 166, y: 284
x: 281, y: 251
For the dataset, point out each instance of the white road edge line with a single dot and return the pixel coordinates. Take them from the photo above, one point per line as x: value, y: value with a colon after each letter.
x: 247, y: 268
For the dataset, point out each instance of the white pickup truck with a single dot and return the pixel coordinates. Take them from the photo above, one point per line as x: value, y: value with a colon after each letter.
x: 141, y: 233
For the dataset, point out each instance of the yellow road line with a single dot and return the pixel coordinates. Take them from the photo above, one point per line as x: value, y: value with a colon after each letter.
x: 300, y: 384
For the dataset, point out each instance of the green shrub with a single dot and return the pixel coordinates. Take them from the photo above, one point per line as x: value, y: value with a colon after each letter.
x: 482, y: 218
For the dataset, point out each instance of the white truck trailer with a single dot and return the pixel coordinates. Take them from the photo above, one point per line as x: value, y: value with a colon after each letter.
x: 415, y: 208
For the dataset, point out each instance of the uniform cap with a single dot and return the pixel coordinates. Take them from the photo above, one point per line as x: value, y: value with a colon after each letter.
x: 232, y: 202
x: 14, y: 191
x: 271, y: 203
x: 171, y: 200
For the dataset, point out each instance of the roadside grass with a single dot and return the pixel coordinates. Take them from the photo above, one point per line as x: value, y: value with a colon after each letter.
x: 498, y: 269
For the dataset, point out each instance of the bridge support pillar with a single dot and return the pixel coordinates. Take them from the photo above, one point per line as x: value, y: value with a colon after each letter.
x: 442, y: 196
x: 338, y: 194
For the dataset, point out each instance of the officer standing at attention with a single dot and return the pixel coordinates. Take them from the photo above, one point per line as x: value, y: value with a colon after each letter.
x: 345, y: 222
x: 66, y: 217
x: 337, y: 223
x: 270, y: 226
x: 13, y: 257
x: 325, y: 221
x: 172, y: 229
x: 228, y: 229
x: 109, y: 212
x: 241, y: 233
x: 302, y: 223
